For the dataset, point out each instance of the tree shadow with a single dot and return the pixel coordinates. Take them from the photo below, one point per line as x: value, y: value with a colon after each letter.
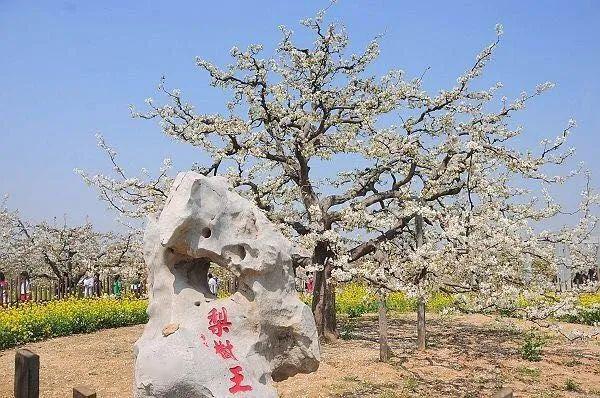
x: 438, y: 368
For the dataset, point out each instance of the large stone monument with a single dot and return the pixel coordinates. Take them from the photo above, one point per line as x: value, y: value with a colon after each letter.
x: 197, y: 345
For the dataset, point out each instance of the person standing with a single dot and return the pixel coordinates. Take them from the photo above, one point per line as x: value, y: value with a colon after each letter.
x: 88, y: 286
x: 24, y: 287
x: 97, y: 285
x: 213, y: 284
x: 3, y: 289
x: 136, y: 287
x: 117, y: 286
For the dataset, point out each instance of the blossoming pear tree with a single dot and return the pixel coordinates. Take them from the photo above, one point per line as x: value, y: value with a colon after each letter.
x: 293, y: 118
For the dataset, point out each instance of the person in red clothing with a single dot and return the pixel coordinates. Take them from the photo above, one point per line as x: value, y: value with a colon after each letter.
x: 310, y: 284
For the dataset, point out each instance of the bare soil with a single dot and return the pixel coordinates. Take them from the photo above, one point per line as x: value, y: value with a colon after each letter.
x: 468, y: 356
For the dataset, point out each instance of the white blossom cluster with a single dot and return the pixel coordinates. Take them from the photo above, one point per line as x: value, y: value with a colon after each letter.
x: 133, y: 197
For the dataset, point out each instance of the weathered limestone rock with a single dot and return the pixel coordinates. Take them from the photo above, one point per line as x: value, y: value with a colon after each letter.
x: 196, y: 345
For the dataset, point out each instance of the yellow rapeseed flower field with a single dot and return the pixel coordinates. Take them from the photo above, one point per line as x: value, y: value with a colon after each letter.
x: 31, y: 322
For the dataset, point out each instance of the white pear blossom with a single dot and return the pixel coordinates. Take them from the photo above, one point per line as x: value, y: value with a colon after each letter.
x: 499, y: 29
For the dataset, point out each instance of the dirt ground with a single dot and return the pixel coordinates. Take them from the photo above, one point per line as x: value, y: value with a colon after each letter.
x: 469, y: 356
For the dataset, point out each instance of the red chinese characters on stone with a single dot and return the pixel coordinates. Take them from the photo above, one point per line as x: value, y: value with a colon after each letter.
x: 219, y: 324
x: 237, y: 380
x: 217, y: 321
x: 224, y: 350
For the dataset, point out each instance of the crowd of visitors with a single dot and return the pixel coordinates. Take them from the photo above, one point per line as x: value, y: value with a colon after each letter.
x: 89, y: 285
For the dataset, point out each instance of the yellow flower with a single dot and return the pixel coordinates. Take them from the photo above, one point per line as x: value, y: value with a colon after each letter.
x: 59, y: 318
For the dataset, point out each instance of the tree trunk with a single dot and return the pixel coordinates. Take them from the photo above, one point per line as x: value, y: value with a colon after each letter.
x: 385, y: 351
x: 323, y: 302
x: 421, y: 338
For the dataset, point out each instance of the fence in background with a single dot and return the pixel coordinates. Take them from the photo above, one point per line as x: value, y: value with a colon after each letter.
x: 47, y: 290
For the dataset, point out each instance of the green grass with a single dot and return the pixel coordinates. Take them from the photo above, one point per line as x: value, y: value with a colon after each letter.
x: 571, y: 385
x: 528, y: 373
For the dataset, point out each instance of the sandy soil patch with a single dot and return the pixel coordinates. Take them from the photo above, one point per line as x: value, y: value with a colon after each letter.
x: 469, y: 356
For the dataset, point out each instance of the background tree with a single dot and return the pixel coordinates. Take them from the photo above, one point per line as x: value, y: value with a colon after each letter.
x: 51, y: 250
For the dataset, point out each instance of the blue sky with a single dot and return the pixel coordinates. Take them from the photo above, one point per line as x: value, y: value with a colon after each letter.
x: 70, y: 69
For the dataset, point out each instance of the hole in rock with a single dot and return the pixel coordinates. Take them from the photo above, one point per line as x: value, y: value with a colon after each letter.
x: 222, y: 283
x: 207, y: 278
x: 206, y: 232
x: 235, y: 252
x: 192, y: 274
